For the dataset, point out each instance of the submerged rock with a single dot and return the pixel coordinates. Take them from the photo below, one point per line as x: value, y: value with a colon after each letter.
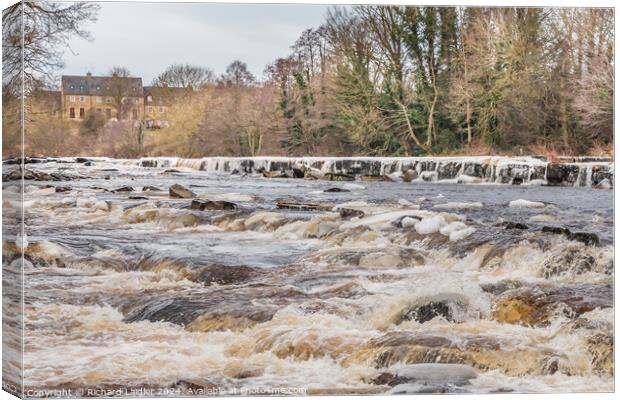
x: 433, y: 373
x: 484, y: 352
x: 501, y: 286
x: 571, y: 261
x: 177, y: 191
x: 203, y: 205
x: 151, y: 189
x: 538, y: 305
x: 336, y: 190
x: 224, y: 274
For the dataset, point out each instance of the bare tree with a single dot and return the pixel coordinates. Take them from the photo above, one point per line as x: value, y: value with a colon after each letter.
x: 185, y: 76
x: 35, y: 36
x: 119, y: 90
x: 237, y: 74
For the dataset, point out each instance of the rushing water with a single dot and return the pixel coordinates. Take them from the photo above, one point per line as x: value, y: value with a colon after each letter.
x: 137, y: 293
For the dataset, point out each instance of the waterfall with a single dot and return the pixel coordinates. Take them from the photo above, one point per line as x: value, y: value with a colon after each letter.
x: 491, y: 169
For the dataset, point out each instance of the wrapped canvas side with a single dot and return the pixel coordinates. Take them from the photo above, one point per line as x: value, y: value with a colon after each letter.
x: 13, y: 235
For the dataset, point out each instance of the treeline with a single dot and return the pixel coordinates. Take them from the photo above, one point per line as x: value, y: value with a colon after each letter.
x: 396, y: 80
x: 399, y: 80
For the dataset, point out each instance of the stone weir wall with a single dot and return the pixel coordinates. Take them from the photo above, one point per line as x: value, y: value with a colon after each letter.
x: 576, y: 171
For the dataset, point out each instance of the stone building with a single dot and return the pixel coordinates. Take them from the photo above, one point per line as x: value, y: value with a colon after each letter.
x: 111, y: 95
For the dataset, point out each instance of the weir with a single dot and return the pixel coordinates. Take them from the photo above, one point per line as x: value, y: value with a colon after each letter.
x: 574, y: 171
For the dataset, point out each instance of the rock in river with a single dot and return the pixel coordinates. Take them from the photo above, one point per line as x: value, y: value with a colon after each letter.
x: 538, y: 305
x: 446, y: 305
x: 212, y: 205
x: 177, y: 191
x: 456, y: 374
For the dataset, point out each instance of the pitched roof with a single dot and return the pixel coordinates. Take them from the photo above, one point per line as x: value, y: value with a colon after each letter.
x: 100, y: 85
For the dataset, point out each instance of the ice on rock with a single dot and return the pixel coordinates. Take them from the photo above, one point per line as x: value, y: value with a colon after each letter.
x: 452, y: 227
x: 456, y: 231
x: 458, y: 206
x: 408, y: 222
x: 461, y: 234
x: 521, y: 203
x: 353, y: 186
x: 430, y: 224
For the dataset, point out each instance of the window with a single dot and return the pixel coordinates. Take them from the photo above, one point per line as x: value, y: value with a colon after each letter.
x: 134, y: 114
x: 98, y: 99
x: 98, y: 110
x: 81, y: 99
x: 149, y: 98
x: 108, y: 100
x: 72, y: 99
x: 150, y: 109
x: 136, y: 101
x: 161, y: 109
x: 81, y: 112
x: 72, y: 112
x: 98, y: 87
x: 108, y: 112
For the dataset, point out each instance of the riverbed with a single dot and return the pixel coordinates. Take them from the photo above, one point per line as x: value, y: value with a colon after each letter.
x: 305, y: 285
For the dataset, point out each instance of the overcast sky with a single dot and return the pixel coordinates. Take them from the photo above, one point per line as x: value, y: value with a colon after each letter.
x: 147, y: 37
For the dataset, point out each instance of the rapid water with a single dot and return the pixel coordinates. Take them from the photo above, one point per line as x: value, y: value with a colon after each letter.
x: 133, y: 290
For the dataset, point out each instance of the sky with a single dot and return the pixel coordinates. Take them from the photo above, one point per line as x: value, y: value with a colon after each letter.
x: 148, y: 37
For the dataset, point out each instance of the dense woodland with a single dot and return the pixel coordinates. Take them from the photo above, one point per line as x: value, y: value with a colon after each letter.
x: 393, y: 80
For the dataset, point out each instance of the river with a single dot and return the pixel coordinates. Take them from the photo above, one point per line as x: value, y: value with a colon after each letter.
x: 331, y: 292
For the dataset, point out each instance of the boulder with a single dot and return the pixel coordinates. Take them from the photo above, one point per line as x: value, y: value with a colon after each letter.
x: 562, y: 174
x: 410, y: 175
x: 515, y: 225
x: 177, y: 191
x: 123, y: 189
x: 63, y: 189
x: 302, y: 206
x: 348, y: 213
x: 330, y: 176
x: 423, y: 309
x: 587, y: 238
x: 375, y: 178
x: 556, y: 230
x: 336, y: 190
x: 298, y: 173
x: 203, y: 205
